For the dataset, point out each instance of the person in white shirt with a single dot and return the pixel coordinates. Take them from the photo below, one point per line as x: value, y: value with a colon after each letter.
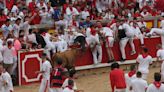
x: 43, y: 15
x: 6, y: 84
x: 129, y: 77
x: 70, y: 12
x: 16, y: 28
x: 8, y: 56
x: 126, y: 35
x: 159, y: 31
x: 69, y: 88
x: 94, y: 43
x: 41, y: 4
x: 156, y: 86
x: 109, y: 39
x: 25, y: 26
x: 138, y: 33
x: 138, y: 84
x: 160, y: 59
x: 144, y: 60
x: 6, y: 28
x: 45, y: 71
x: 31, y: 37
x: 85, y: 14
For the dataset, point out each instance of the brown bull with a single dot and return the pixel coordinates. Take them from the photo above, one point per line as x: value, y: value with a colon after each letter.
x: 68, y: 57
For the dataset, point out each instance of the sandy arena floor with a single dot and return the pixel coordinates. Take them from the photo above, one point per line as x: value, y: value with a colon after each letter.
x: 94, y: 80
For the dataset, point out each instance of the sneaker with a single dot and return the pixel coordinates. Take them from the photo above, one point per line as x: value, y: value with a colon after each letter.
x: 122, y: 60
x: 133, y: 52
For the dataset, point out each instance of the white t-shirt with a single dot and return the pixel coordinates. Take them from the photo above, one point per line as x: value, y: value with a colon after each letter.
x: 26, y: 26
x: 44, y: 16
x: 15, y: 9
x: 46, y: 67
x: 144, y: 63
x: 7, y: 78
x: 160, y: 54
x: 16, y: 29
x: 128, y: 30
x: 32, y: 38
x: 8, y: 55
x: 6, y: 30
x: 153, y: 88
x: 65, y: 84
x: 88, y: 32
x: 139, y: 85
x: 68, y: 90
x: 84, y: 14
x: 129, y: 79
x: 108, y: 31
x: 141, y: 24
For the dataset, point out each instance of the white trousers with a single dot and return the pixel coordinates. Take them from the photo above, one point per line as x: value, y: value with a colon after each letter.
x: 159, y: 32
x: 141, y: 37
x: 44, y: 86
x: 61, y: 46
x: 97, y: 54
x: 123, y: 42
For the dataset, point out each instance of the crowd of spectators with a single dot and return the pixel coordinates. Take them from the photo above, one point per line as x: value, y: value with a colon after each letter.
x: 17, y: 17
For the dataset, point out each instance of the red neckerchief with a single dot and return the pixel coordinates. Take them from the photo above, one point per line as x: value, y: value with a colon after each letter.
x: 71, y: 8
x: 131, y: 73
x: 74, y: 23
x: 144, y: 55
x: 157, y: 84
x: 69, y: 87
x: 44, y: 33
x: 93, y: 32
x: 41, y: 3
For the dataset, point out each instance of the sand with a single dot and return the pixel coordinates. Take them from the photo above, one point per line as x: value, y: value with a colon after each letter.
x: 94, y: 80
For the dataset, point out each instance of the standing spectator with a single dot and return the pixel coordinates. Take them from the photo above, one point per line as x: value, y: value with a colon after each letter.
x: 70, y: 12
x: 32, y: 5
x: 56, y: 14
x: 117, y: 78
x: 8, y: 56
x: 16, y: 28
x: 41, y: 4
x: 6, y: 84
x: 57, y: 77
x: 85, y: 14
x: 43, y: 15
x: 139, y: 85
x: 69, y: 88
x: 9, y: 4
x: 160, y: 59
x: 3, y: 17
x: 45, y: 71
x: 6, y: 28
x: 130, y: 76
x: 37, y: 18
x: 144, y: 61
x: 156, y: 86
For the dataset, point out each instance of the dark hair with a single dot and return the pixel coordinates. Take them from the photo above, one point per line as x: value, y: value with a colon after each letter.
x: 145, y: 49
x: 132, y: 67
x: 157, y: 77
x: 18, y: 19
x: 7, y: 20
x: 59, y: 61
x: 139, y: 74
x: 70, y: 82
x: 44, y: 55
x: 9, y: 43
x: 71, y: 73
x: 30, y: 31
x: 115, y: 65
